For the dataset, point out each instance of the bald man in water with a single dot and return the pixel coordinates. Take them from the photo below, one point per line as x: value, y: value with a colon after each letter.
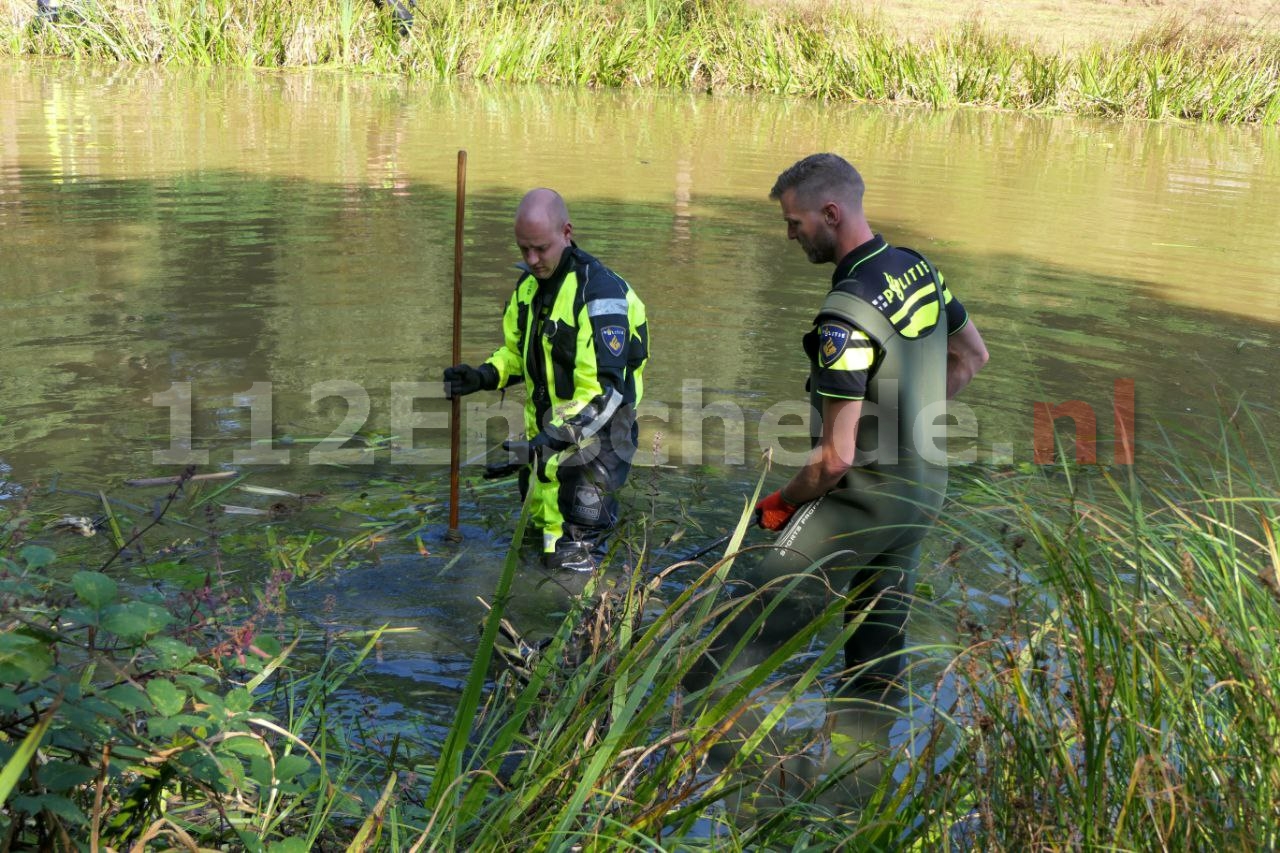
x: 575, y: 333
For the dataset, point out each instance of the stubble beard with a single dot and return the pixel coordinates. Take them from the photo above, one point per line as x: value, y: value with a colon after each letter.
x: 821, y: 251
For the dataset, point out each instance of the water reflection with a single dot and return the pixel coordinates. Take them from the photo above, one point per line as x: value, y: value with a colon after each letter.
x: 224, y: 280
x: 225, y: 228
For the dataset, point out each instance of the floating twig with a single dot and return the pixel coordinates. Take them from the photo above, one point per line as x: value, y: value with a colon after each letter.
x: 231, y: 509
x: 175, y: 480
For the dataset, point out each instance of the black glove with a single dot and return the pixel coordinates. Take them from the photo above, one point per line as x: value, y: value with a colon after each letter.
x: 548, y: 444
x: 542, y: 447
x: 518, y: 449
x: 463, y: 379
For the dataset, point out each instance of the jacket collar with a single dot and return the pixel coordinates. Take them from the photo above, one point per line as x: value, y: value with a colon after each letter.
x: 851, y: 261
x: 567, y: 260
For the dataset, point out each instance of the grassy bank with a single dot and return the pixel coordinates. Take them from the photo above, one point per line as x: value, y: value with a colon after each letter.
x: 1121, y: 691
x: 1070, y: 25
x: 1174, y: 70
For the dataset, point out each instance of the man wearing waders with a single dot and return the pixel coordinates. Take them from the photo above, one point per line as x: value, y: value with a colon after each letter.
x: 575, y: 334
x: 889, y: 345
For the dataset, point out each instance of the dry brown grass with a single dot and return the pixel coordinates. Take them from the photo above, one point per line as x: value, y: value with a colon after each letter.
x: 1066, y: 24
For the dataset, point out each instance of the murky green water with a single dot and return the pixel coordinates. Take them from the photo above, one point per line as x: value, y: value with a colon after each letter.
x: 226, y: 229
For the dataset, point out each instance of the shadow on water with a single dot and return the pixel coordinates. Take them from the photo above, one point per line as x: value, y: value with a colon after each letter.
x: 224, y: 279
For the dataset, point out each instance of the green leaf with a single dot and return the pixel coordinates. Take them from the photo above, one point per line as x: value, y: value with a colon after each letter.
x: 268, y: 644
x: 100, y: 708
x: 135, y: 619
x: 9, y: 700
x: 36, y: 556
x: 189, y: 681
x: 23, y: 658
x: 76, y: 617
x: 128, y: 697
x: 217, y: 708
x: 162, y: 728
x: 124, y: 753
x: 239, y: 700
x: 233, y: 778
x: 252, y: 843
x: 291, y: 765
x: 168, y: 699
x: 74, y: 737
x: 289, y: 845
x: 17, y: 763
x: 844, y: 746
x: 63, y: 775
x: 199, y: 726
x: 249, y: 747
x: 260, y: 771
x: 211, y: 772
x: 171, y: 653
x: 59, y: 806
x: 94, y: 588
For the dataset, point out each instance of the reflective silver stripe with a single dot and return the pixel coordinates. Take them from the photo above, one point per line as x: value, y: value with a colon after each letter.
x: 615, y: 400
x: 601, y: 307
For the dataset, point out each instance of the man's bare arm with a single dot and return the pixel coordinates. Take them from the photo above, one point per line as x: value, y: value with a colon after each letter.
x: 966, y: 353
x: 832, y: 457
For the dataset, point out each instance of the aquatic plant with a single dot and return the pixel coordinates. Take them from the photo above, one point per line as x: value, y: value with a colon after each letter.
x: 131, y: 717
x: 1126, y: 697
x: 1174, y: 70
x: 1119, y: 689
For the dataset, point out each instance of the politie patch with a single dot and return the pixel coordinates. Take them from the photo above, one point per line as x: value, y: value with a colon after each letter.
x: 832, y: 340
x: 613, y: 338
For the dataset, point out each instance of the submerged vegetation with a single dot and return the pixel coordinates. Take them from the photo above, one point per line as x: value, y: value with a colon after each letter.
x: 1175, y: 70
x: 1121, y: 690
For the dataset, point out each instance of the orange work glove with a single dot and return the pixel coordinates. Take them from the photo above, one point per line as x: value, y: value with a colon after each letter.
x: 774, y: 511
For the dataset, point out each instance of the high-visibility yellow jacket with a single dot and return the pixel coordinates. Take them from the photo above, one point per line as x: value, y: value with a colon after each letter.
x: 579, y: 342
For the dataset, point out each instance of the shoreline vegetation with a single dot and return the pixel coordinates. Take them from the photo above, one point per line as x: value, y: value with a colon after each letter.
x: 1177, y: 68
x: 1120, y: 691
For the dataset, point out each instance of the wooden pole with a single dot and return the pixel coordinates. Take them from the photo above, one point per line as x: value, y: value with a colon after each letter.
x: 455, y: 409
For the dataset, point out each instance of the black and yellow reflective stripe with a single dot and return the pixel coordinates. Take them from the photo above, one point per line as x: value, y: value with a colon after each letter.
x: 859, y: 354
x: 922, y: 320
x: 909, y: 304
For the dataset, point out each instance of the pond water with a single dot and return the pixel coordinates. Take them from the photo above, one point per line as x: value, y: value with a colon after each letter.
x: 273, y: 253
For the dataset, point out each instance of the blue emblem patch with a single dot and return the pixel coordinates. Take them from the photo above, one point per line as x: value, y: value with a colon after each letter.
x: 832, y: 340
x: 613, y: 338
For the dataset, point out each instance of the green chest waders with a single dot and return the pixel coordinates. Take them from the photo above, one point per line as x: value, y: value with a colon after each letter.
x: 862, y: 538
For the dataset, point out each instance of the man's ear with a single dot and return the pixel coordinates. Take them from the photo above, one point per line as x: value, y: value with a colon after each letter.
x: 568, y: 231
x: 831, y: 214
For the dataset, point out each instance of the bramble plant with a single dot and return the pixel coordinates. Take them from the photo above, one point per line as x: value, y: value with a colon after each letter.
x: 130, y: 717
x: 1116, y: 687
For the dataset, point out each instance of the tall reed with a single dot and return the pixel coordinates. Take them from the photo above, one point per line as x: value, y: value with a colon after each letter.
x: 1128, y: 697
x: 1172, y: 71
x: 1120, y: 689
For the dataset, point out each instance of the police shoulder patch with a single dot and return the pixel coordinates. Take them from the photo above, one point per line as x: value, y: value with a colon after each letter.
x: 614, y: 338
x: 833, y: 339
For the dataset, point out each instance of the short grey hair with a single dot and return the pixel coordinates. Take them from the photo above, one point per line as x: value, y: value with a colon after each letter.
x: 821, y: 175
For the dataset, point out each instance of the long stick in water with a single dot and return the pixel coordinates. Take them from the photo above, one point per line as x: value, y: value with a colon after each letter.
x: 705, y: 549
x: 455, y: 408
